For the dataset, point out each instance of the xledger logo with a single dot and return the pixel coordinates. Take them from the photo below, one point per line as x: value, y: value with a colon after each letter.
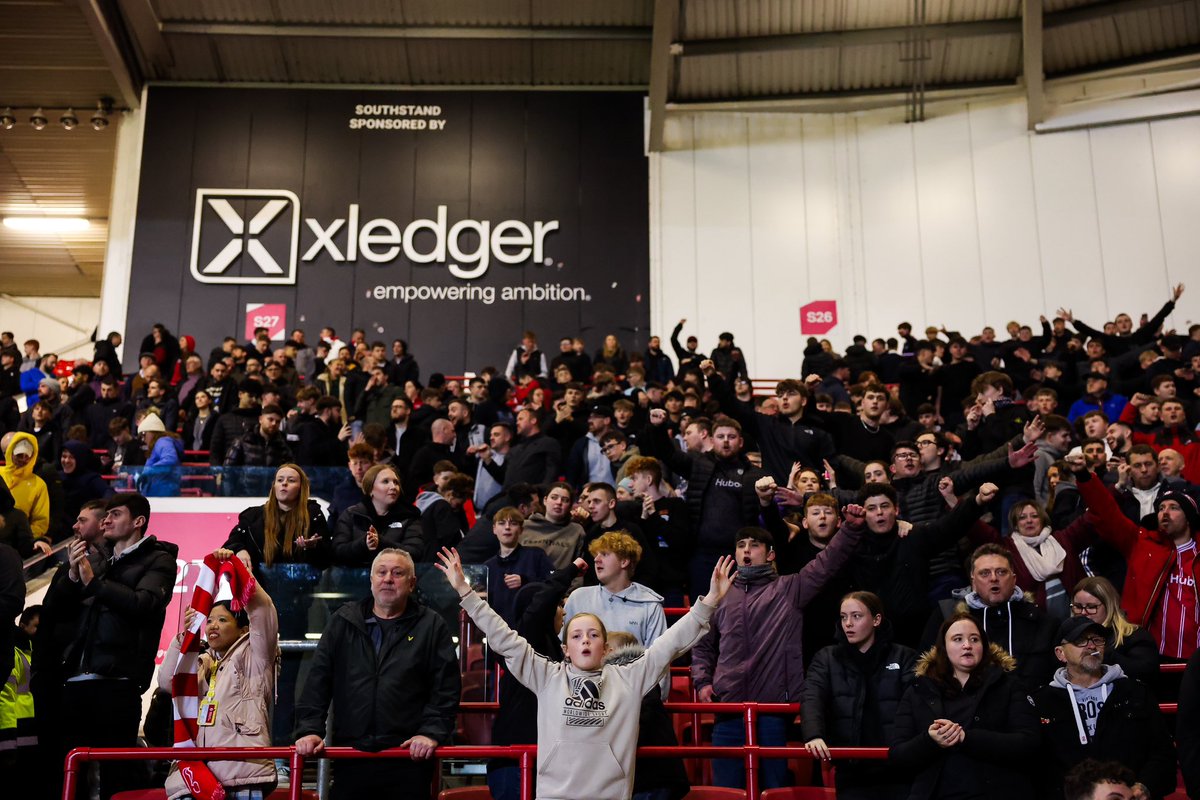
x: 466, y: 247
x: 269, y: 219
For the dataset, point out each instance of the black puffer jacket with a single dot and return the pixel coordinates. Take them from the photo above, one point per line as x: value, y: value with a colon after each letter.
x: 836, y: 688
x: 410, y: 688
x: 399, y: 527
x: 841, y: 687
x: 121, y: 613
x: 248, y: 535
x: 1001, y: 732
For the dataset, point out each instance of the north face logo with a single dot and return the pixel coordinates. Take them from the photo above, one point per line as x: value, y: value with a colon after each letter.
x: 247, y: 236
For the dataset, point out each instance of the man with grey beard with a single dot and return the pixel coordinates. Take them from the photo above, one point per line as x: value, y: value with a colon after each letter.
x: 1093, y: 710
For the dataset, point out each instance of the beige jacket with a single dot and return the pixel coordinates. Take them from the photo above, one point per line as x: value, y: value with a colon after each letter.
x: 245, y: 682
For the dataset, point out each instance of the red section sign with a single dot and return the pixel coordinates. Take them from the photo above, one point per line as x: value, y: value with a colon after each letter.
x: 272, y: 316
x: 818, y: 317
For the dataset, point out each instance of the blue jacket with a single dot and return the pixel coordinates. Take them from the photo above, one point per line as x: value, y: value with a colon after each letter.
x: 1112, y: 406
x: 160, y: 477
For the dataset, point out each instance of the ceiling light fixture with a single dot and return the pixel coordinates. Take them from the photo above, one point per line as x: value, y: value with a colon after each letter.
x: 100, y: 115
x: 47, y: 224
x: 7, y: 120
x: 38, y: 120
x: 68, y: 120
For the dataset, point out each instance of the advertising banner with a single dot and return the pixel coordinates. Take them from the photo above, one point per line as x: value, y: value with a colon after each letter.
x: 452, y: 220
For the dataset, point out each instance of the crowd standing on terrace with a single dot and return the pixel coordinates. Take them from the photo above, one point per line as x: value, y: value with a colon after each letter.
x: 977, y: 551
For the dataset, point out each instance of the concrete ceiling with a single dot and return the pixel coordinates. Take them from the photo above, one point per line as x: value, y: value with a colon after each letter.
x: 794, y: 55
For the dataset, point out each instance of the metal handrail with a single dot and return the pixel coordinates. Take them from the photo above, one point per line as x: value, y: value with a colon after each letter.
x: 33, y: 561
x: 523, y: 754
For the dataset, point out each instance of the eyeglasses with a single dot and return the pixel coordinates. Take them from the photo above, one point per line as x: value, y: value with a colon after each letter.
x: 906, y: 456
x: 608, y: 448
x: 1086, y: 608
x: 999, y: 572
x: 1090, y: 641
x: 921, y: 442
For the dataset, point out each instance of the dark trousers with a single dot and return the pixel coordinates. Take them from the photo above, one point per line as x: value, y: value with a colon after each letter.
x: 103, y: 713
x: 357, y: 780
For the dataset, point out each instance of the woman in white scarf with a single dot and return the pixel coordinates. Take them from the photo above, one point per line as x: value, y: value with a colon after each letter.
x: 1047, y: 561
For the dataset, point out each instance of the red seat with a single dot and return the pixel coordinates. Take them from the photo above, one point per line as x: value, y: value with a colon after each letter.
x: 715, y: 793
x: 282, y: 794
x: 465, y: 793
x: 799, y: 793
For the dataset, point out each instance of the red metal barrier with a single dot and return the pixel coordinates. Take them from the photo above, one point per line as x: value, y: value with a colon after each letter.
x: 525, y: 756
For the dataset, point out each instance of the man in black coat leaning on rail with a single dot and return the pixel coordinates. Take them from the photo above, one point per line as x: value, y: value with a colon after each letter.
x: 388, y: 666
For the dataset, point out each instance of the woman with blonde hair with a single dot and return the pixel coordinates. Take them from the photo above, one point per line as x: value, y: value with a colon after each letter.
x: 285, y: 542
x: 290, y: 527
x: 1130, y: 647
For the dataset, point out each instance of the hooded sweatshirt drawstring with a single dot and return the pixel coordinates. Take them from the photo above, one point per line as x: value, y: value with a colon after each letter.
x: 1104, y: 692
x: 1008, y: 608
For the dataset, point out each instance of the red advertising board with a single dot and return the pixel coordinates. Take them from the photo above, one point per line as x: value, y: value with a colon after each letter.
x: 818, y: 317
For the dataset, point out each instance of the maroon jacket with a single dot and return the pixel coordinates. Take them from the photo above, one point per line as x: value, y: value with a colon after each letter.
x: 755, y: 650
x: 1074, y: 538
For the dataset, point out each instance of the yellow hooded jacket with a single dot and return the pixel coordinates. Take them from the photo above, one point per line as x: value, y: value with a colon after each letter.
x: 28, y: 490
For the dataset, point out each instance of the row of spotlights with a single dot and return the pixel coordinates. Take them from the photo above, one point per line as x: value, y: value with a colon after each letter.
x: 69, y: 121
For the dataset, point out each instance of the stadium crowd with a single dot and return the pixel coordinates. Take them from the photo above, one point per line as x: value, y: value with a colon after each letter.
x: 975, y: 551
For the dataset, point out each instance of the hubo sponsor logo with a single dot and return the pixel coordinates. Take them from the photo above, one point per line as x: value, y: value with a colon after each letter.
x: 252, y: 236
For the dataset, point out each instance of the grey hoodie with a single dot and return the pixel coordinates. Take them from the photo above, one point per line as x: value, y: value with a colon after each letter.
x: 563, y: 542
x: 587, y: 721
x: 1088, y: 700
x: 637, y: 610
x: 1046, y: 456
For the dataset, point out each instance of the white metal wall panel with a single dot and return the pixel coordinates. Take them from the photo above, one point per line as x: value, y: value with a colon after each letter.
x: 1131, y: 236
x: 1177, y: 170
x: 890, y: 224
x: 948, y: 219
x: 820, y: 193
x: 1068, y: 228
x: 673, y: 221
x: 966, y: 219
x: 778, y: 228
x: 724, y: 273
x: 1009, y: 262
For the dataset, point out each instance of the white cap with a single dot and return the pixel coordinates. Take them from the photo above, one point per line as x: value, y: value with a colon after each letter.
x: 151, y: 424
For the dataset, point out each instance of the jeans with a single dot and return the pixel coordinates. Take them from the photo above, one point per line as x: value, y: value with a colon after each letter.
x: 731, y: 732
x: 504, y: 782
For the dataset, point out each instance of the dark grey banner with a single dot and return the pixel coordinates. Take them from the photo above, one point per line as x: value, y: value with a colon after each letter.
x: 453, y: 220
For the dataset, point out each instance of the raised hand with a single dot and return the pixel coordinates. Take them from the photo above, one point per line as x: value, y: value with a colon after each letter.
x: 946, y: 490
x: 1034, y: 429
x: 765, y: 487
x: 451, y: 567
x: 1066, y: 314
x: 722, y: 579
x: 1177, y: 292
x: 987, y: 493
x: 854, y: 515
x: 1023, y: 457
x: 658, y: 416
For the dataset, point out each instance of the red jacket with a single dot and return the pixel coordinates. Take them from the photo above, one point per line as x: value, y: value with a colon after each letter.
x: 1149, y: 554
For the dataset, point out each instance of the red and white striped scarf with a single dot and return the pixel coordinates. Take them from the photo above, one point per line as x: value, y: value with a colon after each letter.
x: 219, y: 580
